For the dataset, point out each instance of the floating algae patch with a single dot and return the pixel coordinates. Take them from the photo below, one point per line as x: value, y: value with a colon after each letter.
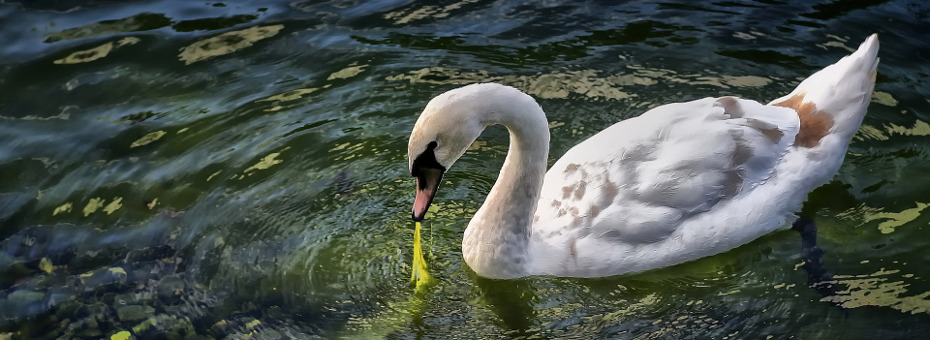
x: 136, y: 23
x: 266, y: 162
x: 878, y: 289
x: 347, y: 72
x: 96, y: 52
x: 226, y: 43
x: 420, y: 275
x: 64, y: 208
x: 114, y: 205
x: 87, y: 55
x: 148, y: 139
x: 289, y: 95
x: 893, y: 220
x: 92, y: 206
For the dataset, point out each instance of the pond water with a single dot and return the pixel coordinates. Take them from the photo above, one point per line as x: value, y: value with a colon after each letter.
x: 238, y: 169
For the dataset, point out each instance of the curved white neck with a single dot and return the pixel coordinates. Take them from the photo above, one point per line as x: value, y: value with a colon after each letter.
x: 496, y: 240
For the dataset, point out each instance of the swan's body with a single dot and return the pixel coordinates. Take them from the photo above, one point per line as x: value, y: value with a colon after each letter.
x: 680, y: 182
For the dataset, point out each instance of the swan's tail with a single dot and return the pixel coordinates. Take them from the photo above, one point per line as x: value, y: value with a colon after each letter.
x: 833, y: 101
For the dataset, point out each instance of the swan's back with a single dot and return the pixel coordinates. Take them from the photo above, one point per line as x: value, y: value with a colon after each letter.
x: 689, y: 180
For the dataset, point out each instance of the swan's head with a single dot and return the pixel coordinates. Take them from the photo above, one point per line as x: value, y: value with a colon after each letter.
x: 449, y: 124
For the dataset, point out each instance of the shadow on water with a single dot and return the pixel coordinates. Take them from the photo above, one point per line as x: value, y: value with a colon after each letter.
x: 511, y: 300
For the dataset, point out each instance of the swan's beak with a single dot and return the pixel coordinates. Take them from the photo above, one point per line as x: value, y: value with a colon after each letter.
x: 428, y: 180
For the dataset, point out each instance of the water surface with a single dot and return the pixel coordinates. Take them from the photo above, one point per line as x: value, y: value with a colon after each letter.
x: 237, y: 169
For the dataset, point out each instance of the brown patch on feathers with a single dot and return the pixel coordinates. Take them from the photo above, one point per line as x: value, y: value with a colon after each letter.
x: 730, y: 106
x: 815, y: 124
x: 571, y: 168
x: 579, y: 190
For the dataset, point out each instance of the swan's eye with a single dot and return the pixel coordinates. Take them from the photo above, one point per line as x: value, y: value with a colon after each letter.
x: 427, y: 159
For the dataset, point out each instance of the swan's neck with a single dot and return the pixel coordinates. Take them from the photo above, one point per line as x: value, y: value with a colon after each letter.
x: 496, y: 240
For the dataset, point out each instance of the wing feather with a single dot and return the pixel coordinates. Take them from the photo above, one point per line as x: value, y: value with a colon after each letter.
x: 664, y: 166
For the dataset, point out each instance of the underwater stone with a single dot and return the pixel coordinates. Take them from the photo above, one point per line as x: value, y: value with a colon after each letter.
x: 165, y: 326
x: 67, y: 309
x: 220, y: 328
x: 144, y: 326
x: 122, y: 335
x: 22, y: 303
x: 134, y: 312
x: 104, y: 276
x: 91, y: 333
x: 58, y: 296
x: 169, y: 289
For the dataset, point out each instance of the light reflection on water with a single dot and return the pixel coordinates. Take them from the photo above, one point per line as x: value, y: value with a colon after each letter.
x: 241, y: 168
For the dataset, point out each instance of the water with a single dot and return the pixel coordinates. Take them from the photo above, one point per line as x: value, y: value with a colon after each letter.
x: 234, y: 169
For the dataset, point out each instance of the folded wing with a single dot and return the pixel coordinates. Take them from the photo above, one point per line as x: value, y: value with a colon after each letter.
x: 637, y: 180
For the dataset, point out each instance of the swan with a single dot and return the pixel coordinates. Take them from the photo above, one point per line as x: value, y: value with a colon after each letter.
x: 680, y: 182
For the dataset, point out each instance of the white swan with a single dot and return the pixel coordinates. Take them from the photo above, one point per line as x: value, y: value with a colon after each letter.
x: 680, y: 182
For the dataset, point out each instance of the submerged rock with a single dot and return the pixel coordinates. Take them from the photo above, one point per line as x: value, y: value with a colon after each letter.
x: 144, y: 294
x: 22, y: 303
x: 134, y: 312
x: 113, y: 276
x: 170, y: 289
x: 165, y: 326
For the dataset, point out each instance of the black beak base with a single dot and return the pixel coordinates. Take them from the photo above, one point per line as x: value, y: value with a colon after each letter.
x: 429, y: 174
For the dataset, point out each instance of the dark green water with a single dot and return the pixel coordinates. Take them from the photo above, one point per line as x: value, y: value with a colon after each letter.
x: 238, y: 170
